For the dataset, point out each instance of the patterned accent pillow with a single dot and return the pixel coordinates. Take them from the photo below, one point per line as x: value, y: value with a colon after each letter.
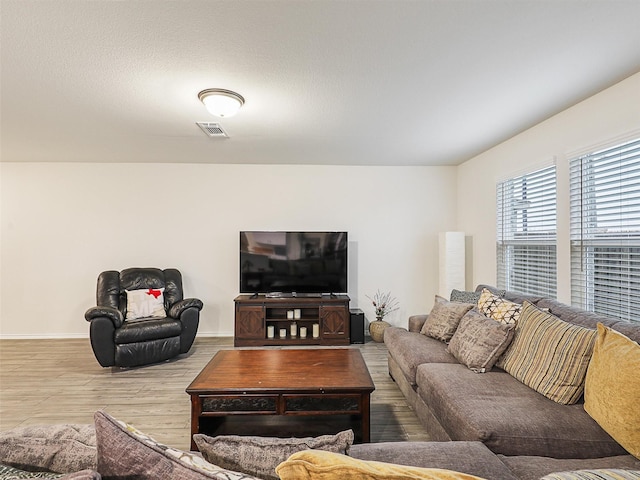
x: 56, y: 448
x: 444, y: 318
x: 260, y: 456
x: 549, y: 355
x: 598, y: 474
x: 10, y: 473
x: 479, y: 341
x: 125, y: 452
x: 470, y: 297
x: 612, y: 387
x: 464, y: 296
x: 318, y: 464
x: 500, y: 309
x: 148, y: 302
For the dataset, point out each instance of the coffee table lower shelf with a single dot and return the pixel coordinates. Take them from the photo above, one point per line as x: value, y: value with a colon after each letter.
x: 282, y: 426
x: 281, y: 415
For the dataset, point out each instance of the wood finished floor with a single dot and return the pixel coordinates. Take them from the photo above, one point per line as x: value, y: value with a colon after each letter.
x: 59, y: 381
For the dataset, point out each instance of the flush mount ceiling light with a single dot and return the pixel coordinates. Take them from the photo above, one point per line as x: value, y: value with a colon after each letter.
x: 220, y: 102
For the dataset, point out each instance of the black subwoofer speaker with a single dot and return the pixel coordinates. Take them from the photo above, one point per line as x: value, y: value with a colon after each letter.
x: 357, y: 325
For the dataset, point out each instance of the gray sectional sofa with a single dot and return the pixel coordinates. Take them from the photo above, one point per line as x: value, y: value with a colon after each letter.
x: 488, y: 424
x: 521, y: 426
x: 113, y: 450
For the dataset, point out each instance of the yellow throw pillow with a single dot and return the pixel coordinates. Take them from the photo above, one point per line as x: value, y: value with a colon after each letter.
x: 612, y: 388
x: 322, y: 465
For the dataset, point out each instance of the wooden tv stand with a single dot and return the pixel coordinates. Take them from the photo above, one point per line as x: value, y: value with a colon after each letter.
x: 255, y: 314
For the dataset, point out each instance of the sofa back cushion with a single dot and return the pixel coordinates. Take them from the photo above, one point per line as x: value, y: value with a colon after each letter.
x: 549, y: 355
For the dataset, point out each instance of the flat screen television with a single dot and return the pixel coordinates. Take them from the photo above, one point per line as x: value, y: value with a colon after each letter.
x: 293, y: 262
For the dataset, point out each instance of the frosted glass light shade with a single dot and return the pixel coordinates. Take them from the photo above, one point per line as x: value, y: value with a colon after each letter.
x: 221, y: 103
x: 451, y: 262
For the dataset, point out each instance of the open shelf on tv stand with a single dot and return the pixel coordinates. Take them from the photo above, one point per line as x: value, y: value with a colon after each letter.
x: 259, y: 316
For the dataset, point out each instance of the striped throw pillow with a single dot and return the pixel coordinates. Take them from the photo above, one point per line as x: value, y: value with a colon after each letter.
x: 597, y: 474
x: 549, y: 355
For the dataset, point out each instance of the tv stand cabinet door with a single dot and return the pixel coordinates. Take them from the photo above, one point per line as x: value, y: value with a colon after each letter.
x: 334, y: 320
x: 250, y: 322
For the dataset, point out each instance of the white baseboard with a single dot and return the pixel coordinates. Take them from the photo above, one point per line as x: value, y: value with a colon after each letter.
x: 62, y: 336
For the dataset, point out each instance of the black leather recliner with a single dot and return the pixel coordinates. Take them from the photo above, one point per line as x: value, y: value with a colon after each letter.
x: 119, y: 342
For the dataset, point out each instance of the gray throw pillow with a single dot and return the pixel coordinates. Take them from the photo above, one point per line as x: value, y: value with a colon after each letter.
x: 479, y: 341
x: 124, y: 452
x: 444, y: 318
x: 62, y: 448
x: 470, y: 297
x: 464, y: 296
x: 259, y: 456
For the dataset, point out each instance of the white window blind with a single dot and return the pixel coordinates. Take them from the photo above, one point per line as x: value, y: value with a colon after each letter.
x: 526, y: 233
x: 605, y: 231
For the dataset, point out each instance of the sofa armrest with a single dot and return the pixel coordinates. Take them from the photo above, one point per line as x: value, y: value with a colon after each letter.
x: 177, y: 308
x: 416, y: 322
x: 111, y: 313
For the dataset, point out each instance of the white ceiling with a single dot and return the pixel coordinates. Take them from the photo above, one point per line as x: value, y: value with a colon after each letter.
x: 354, y: 82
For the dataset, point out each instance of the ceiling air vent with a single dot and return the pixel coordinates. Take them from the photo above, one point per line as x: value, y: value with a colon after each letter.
x: 213, y: 130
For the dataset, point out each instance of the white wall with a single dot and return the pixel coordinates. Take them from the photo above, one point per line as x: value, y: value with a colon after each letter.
x: 62, y: 224
x: 603, y: 119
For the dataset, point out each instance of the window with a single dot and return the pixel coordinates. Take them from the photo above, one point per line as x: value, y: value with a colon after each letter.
x: 526, y: 236
x: 605, y: 231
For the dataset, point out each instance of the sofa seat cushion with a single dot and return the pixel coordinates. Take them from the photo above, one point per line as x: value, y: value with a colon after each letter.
x: 532, y: 468
x: 509, y: 417
x: 473, y: 458
x: 144, y: 353
x: 146, y: 330
x: 410, y: 350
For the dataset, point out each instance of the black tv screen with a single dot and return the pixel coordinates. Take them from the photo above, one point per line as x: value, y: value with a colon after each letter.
x: 293, y: 262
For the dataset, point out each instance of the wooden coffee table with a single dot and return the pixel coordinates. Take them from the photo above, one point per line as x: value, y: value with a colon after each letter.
x: 282, y: 393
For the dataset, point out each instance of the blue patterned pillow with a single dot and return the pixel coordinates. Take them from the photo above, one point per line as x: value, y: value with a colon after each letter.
x: 597, y: 474
x: 10, y: 473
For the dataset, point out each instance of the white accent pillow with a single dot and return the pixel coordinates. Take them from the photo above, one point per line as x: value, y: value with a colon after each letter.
x: 148, y: 302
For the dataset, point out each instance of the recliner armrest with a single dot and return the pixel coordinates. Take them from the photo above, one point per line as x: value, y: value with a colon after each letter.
x: 177, y: 308
x: 111, y: 313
